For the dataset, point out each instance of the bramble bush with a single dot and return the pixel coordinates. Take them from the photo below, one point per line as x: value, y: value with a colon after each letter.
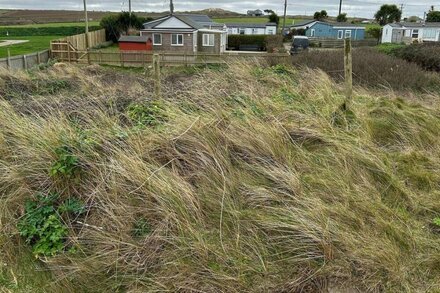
x: 67, y: 164
x: 42, y: 225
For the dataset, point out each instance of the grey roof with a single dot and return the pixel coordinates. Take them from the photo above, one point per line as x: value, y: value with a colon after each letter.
x: 303, y: 23
x: 333, y: 24
x: 250, y: 25
x: 196, y: 21
x: 133, y: 39
x: 416, y: 24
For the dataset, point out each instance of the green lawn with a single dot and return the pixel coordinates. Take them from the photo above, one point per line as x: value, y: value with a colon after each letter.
x: 251, y: 20
x: 35, y: 44
x: 55, y: 24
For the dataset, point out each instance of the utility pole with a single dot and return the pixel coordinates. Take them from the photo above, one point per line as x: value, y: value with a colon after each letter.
x: 129, y: 7
x: 340, y: 7
x: 401, y: 9
x: 87, y: 31
x: 171, y: 7
x: 285, y: 14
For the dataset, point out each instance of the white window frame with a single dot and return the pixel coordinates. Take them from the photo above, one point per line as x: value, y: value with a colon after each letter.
x: 206, y: 40
x: 177, y: 39
x: 415, y: 32
x: 340, y: 34
x: 312, y: 32
x: 240, y: 30
x: 347, y: 34
x: 157, y: 44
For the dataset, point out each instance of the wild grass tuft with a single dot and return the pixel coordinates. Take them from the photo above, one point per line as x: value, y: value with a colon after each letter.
x: 251, y: 178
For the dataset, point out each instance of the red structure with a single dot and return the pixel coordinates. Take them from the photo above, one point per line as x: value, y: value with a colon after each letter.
x: 135, y: 43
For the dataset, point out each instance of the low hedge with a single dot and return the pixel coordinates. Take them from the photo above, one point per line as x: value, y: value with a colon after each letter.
x: 426, y: 55
x: 262, y: 41
x: 235, y: 41
x: 44, y: 31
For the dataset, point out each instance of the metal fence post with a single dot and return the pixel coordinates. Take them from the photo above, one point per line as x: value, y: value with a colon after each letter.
x: 25, y: 65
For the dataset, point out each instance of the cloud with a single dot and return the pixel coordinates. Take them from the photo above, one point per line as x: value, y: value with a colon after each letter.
x: 358, y: 8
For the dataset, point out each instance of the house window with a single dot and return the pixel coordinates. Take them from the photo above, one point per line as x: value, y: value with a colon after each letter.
x: 176, y: 40
x: 348, y: 34
x: 312, y: 32
x: 415, y: 34
x: 230, y: 31
x: 254, y: 31
x: 340, y: 35
x: 270, y: 32
x: 242, y: 31
x: 208, y: 40
x: 408, y: 33
x: 157, y: 39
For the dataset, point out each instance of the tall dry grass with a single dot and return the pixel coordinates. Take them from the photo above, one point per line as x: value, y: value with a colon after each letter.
x: 251, y: 181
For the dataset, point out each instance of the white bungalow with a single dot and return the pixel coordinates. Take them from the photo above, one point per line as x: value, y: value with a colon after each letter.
x: 410, y: 32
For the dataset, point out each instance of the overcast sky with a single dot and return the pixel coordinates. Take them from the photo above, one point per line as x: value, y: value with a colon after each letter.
x: 359, y: 8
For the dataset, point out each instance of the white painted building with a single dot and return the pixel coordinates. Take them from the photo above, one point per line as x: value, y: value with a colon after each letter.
x: 269, y: 28
x: 410, y: 32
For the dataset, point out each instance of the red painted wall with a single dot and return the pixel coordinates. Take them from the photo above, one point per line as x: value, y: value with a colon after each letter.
x: 128, y: 46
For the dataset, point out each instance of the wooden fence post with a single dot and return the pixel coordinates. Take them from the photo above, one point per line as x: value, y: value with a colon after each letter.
x: 348, y: 68
x: 8, y: 60
x: 156, y: 68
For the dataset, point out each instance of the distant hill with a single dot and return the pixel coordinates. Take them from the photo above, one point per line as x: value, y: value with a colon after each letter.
x: 14, y: 17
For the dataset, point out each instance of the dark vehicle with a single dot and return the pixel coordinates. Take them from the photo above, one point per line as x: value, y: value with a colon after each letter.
x: 299, y: 43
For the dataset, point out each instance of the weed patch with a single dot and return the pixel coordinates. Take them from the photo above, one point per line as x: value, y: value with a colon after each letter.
x: 42, y: 226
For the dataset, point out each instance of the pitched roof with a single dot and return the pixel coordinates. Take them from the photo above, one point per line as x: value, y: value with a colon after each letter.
x: 251, y: 25
x: 196, y: 21
x: 303, y: 23
x: 333, y: 24
x: 133, y: 39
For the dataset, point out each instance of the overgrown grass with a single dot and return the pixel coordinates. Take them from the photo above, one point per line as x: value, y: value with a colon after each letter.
x: 372, y: 69
x: 250, y: 179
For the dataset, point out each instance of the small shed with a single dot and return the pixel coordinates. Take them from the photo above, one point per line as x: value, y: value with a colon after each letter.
x: 135, y: 43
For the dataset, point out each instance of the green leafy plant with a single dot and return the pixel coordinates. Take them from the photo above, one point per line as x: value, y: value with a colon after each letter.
x: 436, y: 222
x: 151, y: 113
x: 67, y: 163
x: 42, y: 225
x: 141, y: 228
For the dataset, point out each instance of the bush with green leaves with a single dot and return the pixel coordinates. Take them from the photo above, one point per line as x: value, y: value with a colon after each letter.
x: 151, y: 113
x: 67, y: 164
x: 42, y: 225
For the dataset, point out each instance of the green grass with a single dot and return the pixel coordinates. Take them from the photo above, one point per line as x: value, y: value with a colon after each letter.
x: 56, y: 24
x: 35, y: 44
x: 389, y: 48
x: 250, y: 20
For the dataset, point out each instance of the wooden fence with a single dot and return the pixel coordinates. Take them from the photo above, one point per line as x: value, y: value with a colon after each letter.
x: 143, y: 58
x: 25, y: 61
x: 332, y: 43
x: 79, y: 41
x: 68, y: 47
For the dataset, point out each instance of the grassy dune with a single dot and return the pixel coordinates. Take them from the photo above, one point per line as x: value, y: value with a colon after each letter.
x: 248, y: 178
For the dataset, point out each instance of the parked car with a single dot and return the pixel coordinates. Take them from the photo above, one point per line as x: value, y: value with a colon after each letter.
x: 299, y: 43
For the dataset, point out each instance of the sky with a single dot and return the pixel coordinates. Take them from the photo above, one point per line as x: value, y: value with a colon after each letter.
x: 354, y: 8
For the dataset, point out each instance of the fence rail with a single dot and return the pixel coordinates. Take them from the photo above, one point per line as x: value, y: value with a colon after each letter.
x: 332, y: 43
x: 143, y: 58
x: 25, y: 61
